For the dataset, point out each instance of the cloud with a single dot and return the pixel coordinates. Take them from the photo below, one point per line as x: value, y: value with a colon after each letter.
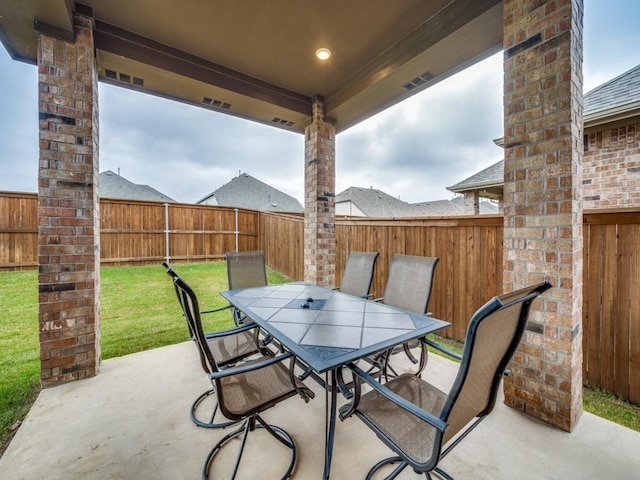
x: 426, y: 143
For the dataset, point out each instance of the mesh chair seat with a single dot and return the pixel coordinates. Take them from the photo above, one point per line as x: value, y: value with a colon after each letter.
x: 232, y: 348
x: 256, y: 390
x: 415, y: 419
x: 410, y: 434
x: 245, y: 390
x: 409, y: 285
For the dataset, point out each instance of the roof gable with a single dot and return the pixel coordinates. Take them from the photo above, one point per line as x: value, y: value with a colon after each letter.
x: 115, y: 186
x: 245, y: 191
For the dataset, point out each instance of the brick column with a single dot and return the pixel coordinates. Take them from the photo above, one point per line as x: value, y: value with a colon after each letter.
x: 319, y: 199
x: 472, y: 203
x: 542, y: 201
x: 68, y: 207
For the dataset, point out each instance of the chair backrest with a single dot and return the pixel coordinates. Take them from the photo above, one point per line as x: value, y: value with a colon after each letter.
x: 246, y: 270
x: 409, y: 282
x: 493, y: 335
x: 358, y: 273
x: 189, y: 302
x: 173, y: 274
x: 191, y: 310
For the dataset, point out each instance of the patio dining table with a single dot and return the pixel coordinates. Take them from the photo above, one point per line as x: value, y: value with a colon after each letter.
x: 326, y: 329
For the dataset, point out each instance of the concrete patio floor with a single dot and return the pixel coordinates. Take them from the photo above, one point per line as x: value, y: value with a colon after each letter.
x: 131, y: 422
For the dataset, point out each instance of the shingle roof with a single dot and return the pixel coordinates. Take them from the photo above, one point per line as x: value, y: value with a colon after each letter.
x: 113, y: 185
x: 245, y: 191
x: 489, y: 177
x: 624, y: 90
x: 373, y: 203
x: 376, y: 203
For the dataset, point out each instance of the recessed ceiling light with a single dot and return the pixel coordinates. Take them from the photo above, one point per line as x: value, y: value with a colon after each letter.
x: 323, y: 53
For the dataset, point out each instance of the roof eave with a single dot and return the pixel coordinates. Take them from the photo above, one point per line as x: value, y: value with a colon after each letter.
x: 608, y: 115
x: 475, y: 186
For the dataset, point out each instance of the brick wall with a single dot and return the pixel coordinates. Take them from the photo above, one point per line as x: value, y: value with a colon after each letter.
x: 68, y: 208
x: 542, y: 201
x: 611, y: 166
x: 319, y: 222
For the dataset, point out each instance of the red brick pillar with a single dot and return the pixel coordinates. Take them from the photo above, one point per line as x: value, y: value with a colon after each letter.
x: 542, y: 201
x: 319, y: 199
x: 68, y: 207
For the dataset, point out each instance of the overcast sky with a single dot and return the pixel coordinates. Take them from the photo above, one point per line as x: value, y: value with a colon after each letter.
x: 413, y: 150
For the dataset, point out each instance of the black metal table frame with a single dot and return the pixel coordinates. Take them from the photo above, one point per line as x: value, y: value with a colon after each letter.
x: 295, y: 303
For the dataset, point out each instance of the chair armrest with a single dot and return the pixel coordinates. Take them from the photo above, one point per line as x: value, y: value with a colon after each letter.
x: 393, y: 397
x: 442, y: 349
x: 250, y: 367
x: 232, y: 331
x: 219, y: 309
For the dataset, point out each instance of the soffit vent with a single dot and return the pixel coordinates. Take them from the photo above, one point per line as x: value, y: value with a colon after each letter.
x: 282, y: 121
x: 124, y: 78
x: 216, y: 103
x: 420, y: 80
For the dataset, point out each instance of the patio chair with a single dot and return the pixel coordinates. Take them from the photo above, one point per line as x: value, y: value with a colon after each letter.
x: 415, y: 419
x: 408, y: 287
x: 244, y: 391
x: 230, y: 347
x: 358, y: 274
x: 245, y: 270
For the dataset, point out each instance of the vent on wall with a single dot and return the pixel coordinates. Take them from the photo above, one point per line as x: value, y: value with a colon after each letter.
x: 420, y: 80
x: 216, y: 103
x: 124, y: 78
x: 282, y: 121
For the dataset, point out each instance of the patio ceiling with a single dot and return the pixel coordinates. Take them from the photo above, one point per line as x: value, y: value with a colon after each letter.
x: 255, y: 59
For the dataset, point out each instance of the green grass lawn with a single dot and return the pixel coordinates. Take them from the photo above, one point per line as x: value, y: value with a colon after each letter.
x: 139, y: 311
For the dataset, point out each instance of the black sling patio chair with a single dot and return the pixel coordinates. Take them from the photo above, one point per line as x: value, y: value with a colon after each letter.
x: 229, y: 346
x: 245, y: 390
x: 415, y: 419
x: 409, y: 285
x: 358, y: 274
x: 245, y: 270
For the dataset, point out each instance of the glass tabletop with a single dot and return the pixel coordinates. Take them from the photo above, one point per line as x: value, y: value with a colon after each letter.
x: 326, y: 328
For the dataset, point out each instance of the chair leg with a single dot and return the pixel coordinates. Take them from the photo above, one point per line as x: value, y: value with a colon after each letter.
x: 210, y: 423
x: 277, y: 432
x: 443, y: 474
x: 383, y: 463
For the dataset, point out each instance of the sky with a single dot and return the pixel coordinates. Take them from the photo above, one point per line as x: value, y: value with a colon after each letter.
x: 413, y: 150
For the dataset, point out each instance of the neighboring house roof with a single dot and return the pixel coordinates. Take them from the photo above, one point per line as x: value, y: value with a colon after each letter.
x: 437, y: 208
x: 113, y: 185
x: 373, y: 203
x: 245, y: 191
x: 616, y: 99
x: 376, y: 203
x: 490, y: 179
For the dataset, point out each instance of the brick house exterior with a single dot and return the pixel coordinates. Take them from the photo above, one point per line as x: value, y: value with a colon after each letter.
x: 611, y: 162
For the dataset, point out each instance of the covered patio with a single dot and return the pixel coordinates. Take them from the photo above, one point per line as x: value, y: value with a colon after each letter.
x: 221, y: 56
x: 132, y: 421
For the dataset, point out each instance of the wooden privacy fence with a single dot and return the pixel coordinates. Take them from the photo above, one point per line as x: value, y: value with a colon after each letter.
x: 611, y: 312
x: 469, y: 249
x: 135, y: 233
x: 149, y: 232
x: 469, y: 272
